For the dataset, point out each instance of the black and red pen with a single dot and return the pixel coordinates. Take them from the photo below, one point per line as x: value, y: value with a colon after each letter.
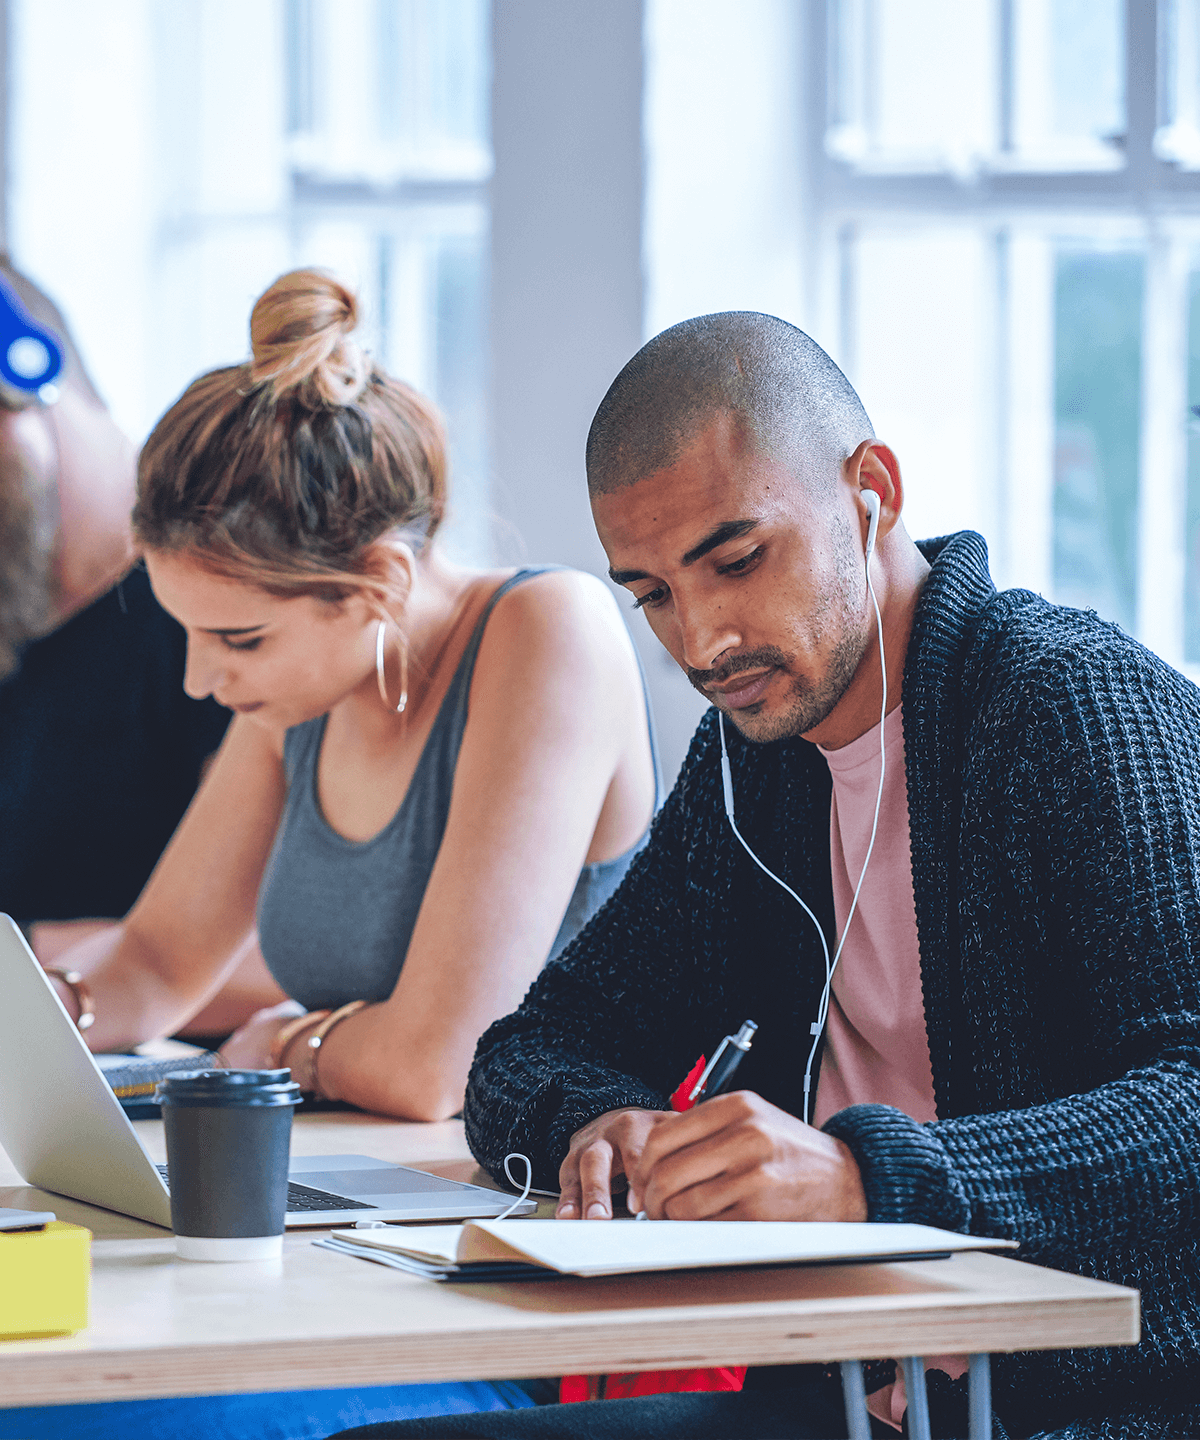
x: 704, y: 1081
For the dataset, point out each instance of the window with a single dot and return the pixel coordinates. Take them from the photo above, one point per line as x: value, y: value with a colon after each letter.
x: 196, y: 151
x: 1007, y: 210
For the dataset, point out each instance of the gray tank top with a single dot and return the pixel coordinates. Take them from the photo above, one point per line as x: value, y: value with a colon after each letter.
x: 335, y: 916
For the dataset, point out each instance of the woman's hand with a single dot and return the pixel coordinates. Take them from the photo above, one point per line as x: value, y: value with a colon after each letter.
x: 250, y: 1047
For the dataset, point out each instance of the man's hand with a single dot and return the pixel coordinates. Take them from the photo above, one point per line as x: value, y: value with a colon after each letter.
x: 738, y: 1158
x: 607, y: 1147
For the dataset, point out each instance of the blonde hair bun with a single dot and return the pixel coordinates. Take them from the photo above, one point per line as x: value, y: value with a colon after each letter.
x: 300, y: 331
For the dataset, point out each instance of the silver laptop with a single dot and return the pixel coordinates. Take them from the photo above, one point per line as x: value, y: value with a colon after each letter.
x: 65, y: 1130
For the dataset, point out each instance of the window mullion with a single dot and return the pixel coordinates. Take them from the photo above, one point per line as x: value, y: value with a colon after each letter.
x: 1141, y: 91
x: 1162, y: 458
x: 1027, y: 548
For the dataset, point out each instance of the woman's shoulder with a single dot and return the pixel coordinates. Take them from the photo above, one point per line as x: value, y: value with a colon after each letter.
x: 558, y: 594
x: 561, y: 618
x: 556, y: 606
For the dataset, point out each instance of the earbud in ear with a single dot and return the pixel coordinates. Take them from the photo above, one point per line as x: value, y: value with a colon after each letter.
x: 871, y: 501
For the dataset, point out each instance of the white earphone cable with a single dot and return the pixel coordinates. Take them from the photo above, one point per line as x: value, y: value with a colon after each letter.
x: 818, y: 1026
x: 727, y: 777
x: 831, y: 970
x: 524, y: 1195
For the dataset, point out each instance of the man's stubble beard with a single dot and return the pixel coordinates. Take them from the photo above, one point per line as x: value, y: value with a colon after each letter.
x: 811, y: 704
x: 808, y: 704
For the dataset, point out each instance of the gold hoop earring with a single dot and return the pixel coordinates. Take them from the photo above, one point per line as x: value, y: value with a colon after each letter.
x: 382, y: 678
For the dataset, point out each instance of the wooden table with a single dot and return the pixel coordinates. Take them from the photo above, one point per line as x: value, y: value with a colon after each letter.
x: 163, y: 1326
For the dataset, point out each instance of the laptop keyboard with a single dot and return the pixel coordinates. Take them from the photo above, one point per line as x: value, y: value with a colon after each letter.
x: 301, y: 1197
x: 305, y: 1198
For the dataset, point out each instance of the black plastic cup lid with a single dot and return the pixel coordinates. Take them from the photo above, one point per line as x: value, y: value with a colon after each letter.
x: 228, y: 1087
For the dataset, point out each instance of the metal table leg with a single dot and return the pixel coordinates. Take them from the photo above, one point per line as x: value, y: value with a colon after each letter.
x: 858, y: 1420
x: 918, y: 1400
x: 980, y: 1398
x: 854, y: 1393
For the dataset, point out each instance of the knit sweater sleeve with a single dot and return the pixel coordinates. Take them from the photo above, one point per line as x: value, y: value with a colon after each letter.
x: 596, y: 1030
x: 1100, y: 794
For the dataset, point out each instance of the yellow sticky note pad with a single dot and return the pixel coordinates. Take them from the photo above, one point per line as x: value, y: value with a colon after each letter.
x: 45, y: 1276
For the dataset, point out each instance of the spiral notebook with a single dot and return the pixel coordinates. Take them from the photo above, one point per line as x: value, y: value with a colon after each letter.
x: 133, y: 1078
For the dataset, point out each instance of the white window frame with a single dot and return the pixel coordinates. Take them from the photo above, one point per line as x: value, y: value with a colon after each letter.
x: 1151, y: 200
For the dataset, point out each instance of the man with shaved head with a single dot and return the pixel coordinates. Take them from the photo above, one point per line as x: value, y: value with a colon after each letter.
x: 796, y: 402
x: 745, y: 392
x: 980, y: 809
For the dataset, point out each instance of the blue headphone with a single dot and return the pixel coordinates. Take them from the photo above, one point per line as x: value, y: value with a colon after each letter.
x: 31, y: 356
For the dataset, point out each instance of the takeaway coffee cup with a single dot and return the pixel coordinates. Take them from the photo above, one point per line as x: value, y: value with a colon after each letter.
x: 228, y: 1140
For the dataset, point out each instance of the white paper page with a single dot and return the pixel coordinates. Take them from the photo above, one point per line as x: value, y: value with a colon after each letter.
x: 613, y: 1247
x: 435, y: 1243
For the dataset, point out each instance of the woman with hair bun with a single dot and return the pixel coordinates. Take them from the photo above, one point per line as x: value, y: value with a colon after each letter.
x: 434, y: 774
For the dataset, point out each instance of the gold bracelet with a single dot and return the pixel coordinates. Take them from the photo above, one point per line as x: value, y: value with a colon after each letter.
x: 317, y: 1039
x: 288, y: 1031
x: 73, y: 980
x: 315, y: 1018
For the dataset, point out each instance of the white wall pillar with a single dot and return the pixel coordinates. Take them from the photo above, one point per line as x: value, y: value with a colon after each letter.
x: 567, y: 286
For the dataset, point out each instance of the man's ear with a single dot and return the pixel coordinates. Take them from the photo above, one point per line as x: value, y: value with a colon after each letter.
x: 873, y: 466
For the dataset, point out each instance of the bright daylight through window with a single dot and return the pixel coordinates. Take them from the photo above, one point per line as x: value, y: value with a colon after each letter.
x: 1010, y: 244
x: 205, y: 148
x: 995, y: 228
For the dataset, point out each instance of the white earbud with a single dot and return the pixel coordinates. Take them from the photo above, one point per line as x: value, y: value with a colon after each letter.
x: 871, y: 500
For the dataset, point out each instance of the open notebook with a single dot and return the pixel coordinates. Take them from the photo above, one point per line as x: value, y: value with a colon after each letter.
x: 543, y: 1249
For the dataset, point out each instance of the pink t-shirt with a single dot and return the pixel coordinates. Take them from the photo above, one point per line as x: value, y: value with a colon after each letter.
x: 876, y: 1045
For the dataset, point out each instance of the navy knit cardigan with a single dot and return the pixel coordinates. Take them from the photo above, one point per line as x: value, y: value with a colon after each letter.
x: 1054, y: 801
